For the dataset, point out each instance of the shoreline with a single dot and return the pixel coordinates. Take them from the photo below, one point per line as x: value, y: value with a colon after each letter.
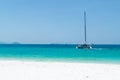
x: 40, y: 70
x: 63, y: 60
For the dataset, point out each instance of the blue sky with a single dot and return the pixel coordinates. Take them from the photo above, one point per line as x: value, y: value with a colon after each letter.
x: 59, y: 21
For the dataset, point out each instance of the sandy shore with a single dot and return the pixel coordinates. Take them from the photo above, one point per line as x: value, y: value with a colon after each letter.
x: 28, y: 70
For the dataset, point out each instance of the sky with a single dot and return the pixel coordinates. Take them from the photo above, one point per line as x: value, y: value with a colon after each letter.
x: 59, y: 21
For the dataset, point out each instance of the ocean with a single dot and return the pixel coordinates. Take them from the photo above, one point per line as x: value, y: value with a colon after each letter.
x: 60, y: 52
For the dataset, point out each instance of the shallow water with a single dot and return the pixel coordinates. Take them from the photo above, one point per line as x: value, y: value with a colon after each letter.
x: 99, y: 53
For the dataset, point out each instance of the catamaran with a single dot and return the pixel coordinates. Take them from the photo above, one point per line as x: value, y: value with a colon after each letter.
x: 85, y: 45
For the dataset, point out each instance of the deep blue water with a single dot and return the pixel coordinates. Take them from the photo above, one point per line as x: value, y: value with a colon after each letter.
x: 99, y: 53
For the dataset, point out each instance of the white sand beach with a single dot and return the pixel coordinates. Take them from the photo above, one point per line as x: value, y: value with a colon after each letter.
x: 28, y: 70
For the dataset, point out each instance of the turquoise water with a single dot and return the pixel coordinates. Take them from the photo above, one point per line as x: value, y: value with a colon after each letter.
x: 100, y: 53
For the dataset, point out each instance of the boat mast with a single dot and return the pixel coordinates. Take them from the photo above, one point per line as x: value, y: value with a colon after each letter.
x: 85, y: 27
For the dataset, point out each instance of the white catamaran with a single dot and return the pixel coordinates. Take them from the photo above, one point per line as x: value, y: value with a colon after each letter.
x: 85, y: 45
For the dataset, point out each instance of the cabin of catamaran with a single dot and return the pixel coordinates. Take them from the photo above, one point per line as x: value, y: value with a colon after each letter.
x: 85, y: 45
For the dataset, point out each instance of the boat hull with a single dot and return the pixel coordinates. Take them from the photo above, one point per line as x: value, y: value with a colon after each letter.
x: 84, y: 46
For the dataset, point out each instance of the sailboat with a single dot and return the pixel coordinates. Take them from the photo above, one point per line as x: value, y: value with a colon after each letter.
x: 85, y: 45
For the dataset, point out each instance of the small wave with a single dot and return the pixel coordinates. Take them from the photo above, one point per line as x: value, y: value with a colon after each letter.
x: 97, y: 48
